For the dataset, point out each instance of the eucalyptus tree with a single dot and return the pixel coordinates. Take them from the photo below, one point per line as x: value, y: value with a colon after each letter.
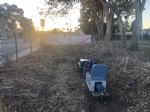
x: 108, y: 7
x: 94, y: 12
x: 87, y: 24
x: 109, y: 15
x: 131, y: 7
x: 94, y: 8
x: 117, y: 6
x: 27, y: 27
x: 58, y: 7
x: 10, y: 13
x: 139, y: 7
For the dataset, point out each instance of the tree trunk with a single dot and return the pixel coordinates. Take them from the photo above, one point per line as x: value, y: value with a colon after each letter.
x: 122, y: 31
x: 113, y: 7
x: 99, y: 31
x: 139, y: 6
x: 108, y: 30
x: 109, y: 19
x: 98, y: 23
x: 136, y: 31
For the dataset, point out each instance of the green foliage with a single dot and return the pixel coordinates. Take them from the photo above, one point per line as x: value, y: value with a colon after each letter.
x: 6, y: 60
x: 55, y: 31
x: 89, y: 12
x: 27, y: 24
x: 126, y: 5
x: 58, y: 7
x: 10, y: 13
x: 115, y: 26
x: 27, y: 28
x: 87, y: 27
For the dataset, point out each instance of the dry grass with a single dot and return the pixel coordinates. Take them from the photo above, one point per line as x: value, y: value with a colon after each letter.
x: 49, y: 81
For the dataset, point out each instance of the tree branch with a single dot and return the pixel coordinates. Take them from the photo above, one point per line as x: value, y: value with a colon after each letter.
x: 111, y: 6
x: 143, y: 4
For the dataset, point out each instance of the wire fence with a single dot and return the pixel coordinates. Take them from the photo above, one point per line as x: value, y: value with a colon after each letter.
x: 16, y: 46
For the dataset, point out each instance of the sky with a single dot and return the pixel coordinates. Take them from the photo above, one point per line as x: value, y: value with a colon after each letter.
x: 30, y: 11
x: 146, y: 15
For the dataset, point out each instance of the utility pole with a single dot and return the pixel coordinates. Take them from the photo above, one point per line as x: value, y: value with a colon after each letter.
x: 16, y: 44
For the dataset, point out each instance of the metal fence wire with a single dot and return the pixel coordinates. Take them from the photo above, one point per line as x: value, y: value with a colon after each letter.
x: 13, y: 44
x: 14, y: 48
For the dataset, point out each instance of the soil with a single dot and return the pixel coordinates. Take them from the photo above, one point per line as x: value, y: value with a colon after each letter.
x: 50, y: 81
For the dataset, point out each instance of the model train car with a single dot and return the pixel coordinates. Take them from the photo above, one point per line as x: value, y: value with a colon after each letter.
x: 95, y: 76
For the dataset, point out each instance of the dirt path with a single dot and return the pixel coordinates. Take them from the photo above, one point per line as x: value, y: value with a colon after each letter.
x: 49, y: 81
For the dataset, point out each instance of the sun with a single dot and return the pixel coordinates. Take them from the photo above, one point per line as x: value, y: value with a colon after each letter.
x: 61, y: 23
x: 69, y: 21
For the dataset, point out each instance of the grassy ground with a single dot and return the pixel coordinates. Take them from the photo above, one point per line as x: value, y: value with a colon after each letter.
x: 47, y: 81
x: 50, y: 81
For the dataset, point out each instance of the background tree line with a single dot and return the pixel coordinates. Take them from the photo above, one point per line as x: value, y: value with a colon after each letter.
x: 12, y: 15
x: 103, y: 16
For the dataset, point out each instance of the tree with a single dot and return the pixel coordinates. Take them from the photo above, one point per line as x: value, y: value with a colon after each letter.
x: 109, y: 20
x: 27, y: 28
x: 109, y: 7
x: 86, y: 24
x: 114, y: 6
x: 10, y: 13
x: 97, y: 11
x: 57, y: 7
x: 139, y: 7
x: 92, y: 17
x: 13, y: 14
x: 90, y: 10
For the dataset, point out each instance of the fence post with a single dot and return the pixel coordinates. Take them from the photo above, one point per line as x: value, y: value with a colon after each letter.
x: 16, y: 45
x: 1, y: 107
x: 0, y: 42
x: 30, y: 40
x: 141, y: 47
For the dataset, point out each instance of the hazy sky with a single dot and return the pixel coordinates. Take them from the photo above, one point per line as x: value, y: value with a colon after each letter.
x: 30, y: 10
x: 146, y: 15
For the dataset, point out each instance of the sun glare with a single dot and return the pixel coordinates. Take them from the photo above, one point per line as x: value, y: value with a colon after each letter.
x: 69, y: 21
x: 30, y: 10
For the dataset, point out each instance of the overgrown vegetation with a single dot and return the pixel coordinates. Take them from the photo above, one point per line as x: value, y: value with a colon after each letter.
x: 50, y: 81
